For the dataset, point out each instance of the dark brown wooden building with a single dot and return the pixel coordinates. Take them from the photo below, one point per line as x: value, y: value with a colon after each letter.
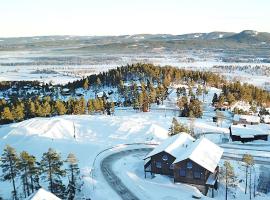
x: 186, y: 161
x: 248, y: 133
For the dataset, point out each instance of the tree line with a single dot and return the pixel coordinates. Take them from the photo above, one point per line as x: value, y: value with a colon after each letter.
x: 18, y: 110
x: 25, y: 168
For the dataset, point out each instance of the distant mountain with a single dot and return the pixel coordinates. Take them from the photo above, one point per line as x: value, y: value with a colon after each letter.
x: 247, y: 39
x: 250, y: 37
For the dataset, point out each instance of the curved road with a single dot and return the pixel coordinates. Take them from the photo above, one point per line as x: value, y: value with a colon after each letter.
x: 112, y: 179
x: 119, y: 187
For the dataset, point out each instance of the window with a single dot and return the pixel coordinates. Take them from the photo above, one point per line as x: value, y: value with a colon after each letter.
x: 165, y: 157
x: 158, y: 165
x: 189, y: 165
x: 197, y: 174
x: 171, y: 166
x: 182, y: 172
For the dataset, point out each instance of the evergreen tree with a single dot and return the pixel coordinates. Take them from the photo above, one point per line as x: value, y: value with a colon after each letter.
x: 74, y: 173
x: 60, y: 108
x: 86, y: 84
x: 199, y: 91
x: 9, y: 165
x: 28, y: 171
x: 215, y: 99
x: 90, y: 106
x: 228, y: 175
x: 6, y: 115
x: 51, y: 165
x: 18, y: 112
x: 177, y: 127
x: 249, y: 161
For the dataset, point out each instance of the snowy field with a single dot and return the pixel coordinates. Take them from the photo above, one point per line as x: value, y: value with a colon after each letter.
x: 94, y: 134
x: 64, y: 73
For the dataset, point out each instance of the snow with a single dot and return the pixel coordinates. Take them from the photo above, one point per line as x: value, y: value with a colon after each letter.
x: 248, y: 118
x: 249, y: 131
x: 130, y: 171
x: 42, y: 194
x: 266, y: 118
x: 203, y: 152
x: 88, y: 135
x: 174, y: 145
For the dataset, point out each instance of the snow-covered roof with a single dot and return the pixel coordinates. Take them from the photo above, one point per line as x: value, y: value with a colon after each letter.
x: 249, y: 131
x: 203, y: 152
x: 42, y: 194
x: 248, y: 118
x: 266, y: 118
x: 174, y: 145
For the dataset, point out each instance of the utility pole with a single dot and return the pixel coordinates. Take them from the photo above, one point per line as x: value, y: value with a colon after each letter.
x: 74, y: 132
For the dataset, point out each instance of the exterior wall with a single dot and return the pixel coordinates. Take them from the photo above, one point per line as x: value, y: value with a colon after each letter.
x: 165, y: 164
x: 189, y: 177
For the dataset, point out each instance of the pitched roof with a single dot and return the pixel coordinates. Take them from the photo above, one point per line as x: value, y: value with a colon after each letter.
x: 203, y: 152
x: 249, y: 131
x: 42, y: 194
x: 173, y: 145
x: 248, y: 118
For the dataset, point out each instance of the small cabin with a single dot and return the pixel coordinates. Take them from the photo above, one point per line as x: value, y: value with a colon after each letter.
x: 248, y: 133
x: 186, y: 160
x: 246, y: 119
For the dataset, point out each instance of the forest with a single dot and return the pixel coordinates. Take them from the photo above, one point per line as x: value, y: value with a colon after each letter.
x: 154, y: 82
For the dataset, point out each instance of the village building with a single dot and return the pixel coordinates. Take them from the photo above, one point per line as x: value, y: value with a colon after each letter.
x: 248, y: 133
x: 186, y: 160
x: 266, y: 119
x: 246, y: 119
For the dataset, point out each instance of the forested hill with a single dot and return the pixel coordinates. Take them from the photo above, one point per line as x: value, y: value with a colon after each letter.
x: 137, y: 85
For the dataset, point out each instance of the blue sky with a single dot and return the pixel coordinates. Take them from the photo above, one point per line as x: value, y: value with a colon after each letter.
x: 118, y: 17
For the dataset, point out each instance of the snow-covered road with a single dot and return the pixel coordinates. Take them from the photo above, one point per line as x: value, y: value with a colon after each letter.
x: 112, y: 179
x: 121, y: 189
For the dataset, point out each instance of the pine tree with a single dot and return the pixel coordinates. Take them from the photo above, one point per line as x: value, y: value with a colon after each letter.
x: 18, y: 112
x: 51, y: 165
x: 74, y: 173
x: 9, y: 165
x: 228, y: 174
x: 249, y: 161
x: 60, y: 108
x: 28, y: 171
x: 86, y: 84
x: 199, y: 91
x: 177, y: 127
x: 6, y: 115
x: 90, y: 106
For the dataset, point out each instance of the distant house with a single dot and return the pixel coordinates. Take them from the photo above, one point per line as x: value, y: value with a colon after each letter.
x: 266, y: 119
x: 248, y: 133
x: 246, y: 119
x: 186, y: 160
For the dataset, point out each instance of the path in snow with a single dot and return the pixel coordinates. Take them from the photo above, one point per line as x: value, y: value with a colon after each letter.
x: 112, y: 179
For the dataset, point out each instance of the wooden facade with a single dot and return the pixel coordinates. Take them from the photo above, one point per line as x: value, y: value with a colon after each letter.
x: 190, y: 172
x: 185, y: 171
x: 161, y: 163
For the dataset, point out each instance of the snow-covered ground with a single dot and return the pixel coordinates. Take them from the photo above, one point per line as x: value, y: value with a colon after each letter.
x: 94, y: 134
x: 61, y: 74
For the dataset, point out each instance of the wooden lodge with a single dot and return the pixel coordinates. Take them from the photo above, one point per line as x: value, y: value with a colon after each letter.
x: 248, y: 133
x: 186, y: 160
